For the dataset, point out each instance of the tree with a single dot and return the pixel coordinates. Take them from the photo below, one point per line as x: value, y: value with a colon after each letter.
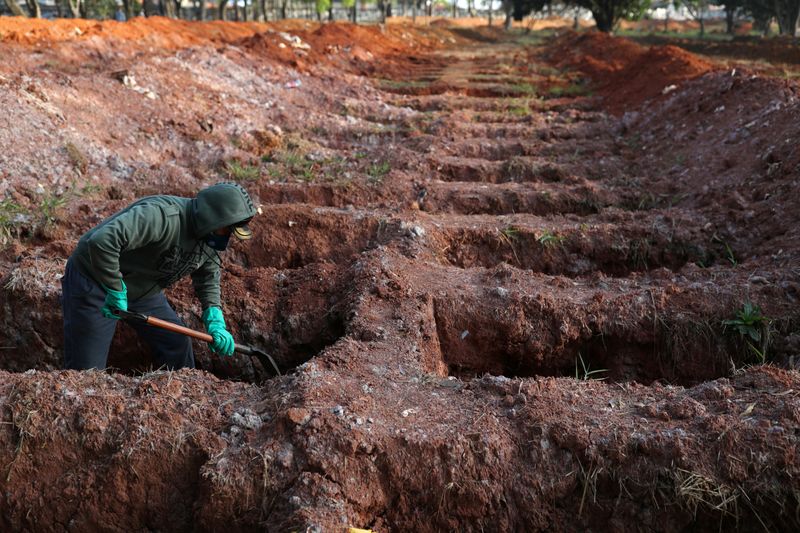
x: 353, y: 4
x: 698, y: 9
x: 323, y: 6
x: 15, y: 9
x: 732, y: 9
x: 786, y: 13
x: 508, y: 9
x: 524, y: 7
x: 75, y: 8
x: 34, y: 9
x: 608, y: 13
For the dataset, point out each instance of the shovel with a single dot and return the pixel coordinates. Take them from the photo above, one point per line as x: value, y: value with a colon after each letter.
x: 264, y: 358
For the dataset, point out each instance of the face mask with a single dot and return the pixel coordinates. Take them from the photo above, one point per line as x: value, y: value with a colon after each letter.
x: 218, y: 242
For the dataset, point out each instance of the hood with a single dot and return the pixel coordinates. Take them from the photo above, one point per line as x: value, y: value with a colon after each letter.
x: 219, y: 206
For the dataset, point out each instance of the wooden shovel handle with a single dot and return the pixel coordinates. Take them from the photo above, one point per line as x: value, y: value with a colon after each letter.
x: 163, y: 324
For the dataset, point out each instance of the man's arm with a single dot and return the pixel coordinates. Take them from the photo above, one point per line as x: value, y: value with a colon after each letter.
x: 136, y: 227
x: 206, y: 284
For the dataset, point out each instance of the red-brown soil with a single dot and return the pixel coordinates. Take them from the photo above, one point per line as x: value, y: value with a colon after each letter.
x: 626, y: 74
x: 497, y: 305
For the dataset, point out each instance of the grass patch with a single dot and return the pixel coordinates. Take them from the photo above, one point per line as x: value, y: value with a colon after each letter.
x: 520, y: 88
x: 242, y: 172
x: 584, y: 371
x: 377, y: 171
x: 753, y: 329
x: 519, y: 111
x: 573, y: 89
x: 11, y: 214
x: 549, y: 239
x: 18, y: 221
x: 403, y: 84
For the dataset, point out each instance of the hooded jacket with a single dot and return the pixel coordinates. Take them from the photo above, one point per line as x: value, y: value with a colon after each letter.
x: 157, y: 240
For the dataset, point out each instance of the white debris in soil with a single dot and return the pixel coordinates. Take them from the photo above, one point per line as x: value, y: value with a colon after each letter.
x: 246, y: 419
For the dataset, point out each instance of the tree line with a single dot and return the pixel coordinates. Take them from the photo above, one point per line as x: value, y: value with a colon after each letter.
x: 607, y: 14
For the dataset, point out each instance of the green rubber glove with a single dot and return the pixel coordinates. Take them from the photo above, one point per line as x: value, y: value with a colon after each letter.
x: 115, y: 300
x: 215, y: 325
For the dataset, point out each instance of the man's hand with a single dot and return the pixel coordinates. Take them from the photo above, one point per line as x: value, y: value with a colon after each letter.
x: 215, y: 325
x: 115, y: 300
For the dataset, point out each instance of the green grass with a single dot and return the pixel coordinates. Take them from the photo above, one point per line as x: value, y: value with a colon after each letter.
x: 549, y: 239
x: 378, y: 171
x: 242, y: 172
x: 584, y: 371
x: 521, y: 88
x: 753, y: 329
x: 9, y: 220
x: 689, y: 34
x: 510, y: 233
x: 403, y: 84
x: 729, y: 255
x: 17, y: 221
x: 50, y: 204
x: 519, y: 111
x: 573, y: 89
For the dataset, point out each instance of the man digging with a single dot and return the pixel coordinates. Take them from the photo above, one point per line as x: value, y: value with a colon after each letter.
x: 125, y: 262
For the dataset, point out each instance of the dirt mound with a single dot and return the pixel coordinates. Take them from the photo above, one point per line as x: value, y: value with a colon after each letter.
x: 651, y: 74
x: 595, y: 53
x: 283, y: 47
x: 625, y: 73
x: 154, y: 31
x: 374, y: 39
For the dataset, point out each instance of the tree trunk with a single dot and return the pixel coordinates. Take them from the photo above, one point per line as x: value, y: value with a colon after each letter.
x: 491, y: 12
x: 148, y: 7
x: 75, y: 8
x: 236, y: 10
x: 455, y: 8
x: 702, y: 22
x: 15, y: 9
x: 355, y: 12
x: 127, y: 8
x: 263, y: 4
x: 413, y: 11
x: 508, y: 7
x: 202, y: 10
x: 284, y: 5
x: 787, y: 12
x: 34, y: 9
x: 223, y: 4
x: 169, y: 8
x: 604, y: 18
x: 730, y: 19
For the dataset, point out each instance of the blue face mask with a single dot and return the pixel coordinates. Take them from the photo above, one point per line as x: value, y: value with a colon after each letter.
x: 218, y: 242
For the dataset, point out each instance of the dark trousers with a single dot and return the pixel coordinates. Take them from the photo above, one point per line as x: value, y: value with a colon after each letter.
x: 88, y: 334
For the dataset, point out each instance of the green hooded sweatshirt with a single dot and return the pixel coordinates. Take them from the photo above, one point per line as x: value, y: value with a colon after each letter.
x: 157, y: 240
